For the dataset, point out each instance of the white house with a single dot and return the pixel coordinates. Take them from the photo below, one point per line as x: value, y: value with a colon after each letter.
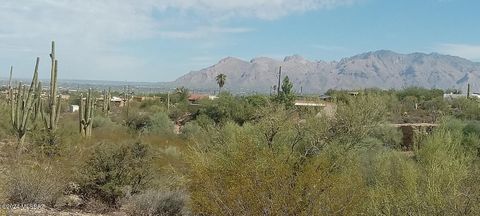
x: 451, y: 96
x: 74, y: 108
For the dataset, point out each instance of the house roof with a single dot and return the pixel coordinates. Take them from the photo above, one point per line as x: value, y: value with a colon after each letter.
x: 195, y: 97
x: 116, y: 99
x: 309, y: 103
x: 324, y: 97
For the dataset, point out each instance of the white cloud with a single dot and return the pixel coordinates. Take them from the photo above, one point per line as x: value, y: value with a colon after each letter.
x: 89, y: 31
x: 264, y: 9
x: 468, y: 51
x: 202, y: 32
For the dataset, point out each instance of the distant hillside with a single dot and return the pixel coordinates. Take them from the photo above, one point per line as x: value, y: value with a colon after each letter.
x: 382, y: 69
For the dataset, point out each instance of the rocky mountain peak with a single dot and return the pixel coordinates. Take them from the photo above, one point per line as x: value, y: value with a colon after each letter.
x: 383, y: 69
x: 297, y: 58
x: 229, y: 59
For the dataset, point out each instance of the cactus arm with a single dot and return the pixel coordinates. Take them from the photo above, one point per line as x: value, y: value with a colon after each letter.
x: 18, y: 104
x: 57, y: 113
x: 80, y: 113
x: 53, y: 96
x: 10, y: 78
x: 29, y: 100
x: 12, y: 107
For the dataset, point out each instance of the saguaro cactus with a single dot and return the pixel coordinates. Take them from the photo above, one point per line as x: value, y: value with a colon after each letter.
x: 126, y: 98
x: 37, y: 102
x: 107, y: 97
x: 22, y: 102
x: 52, y: 113
x: 10, y: 85
x: 468, y: 90
x: 86, y: 114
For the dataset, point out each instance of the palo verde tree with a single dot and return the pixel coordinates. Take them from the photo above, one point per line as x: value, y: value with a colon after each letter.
x: 286, y: 96
x: 220, y: 78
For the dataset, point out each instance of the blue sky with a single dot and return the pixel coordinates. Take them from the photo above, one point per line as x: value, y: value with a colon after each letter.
x: 160, y: 40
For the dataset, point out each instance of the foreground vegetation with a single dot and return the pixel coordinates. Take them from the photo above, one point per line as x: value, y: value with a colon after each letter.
x: 251, y: 155
x: 244, y: 155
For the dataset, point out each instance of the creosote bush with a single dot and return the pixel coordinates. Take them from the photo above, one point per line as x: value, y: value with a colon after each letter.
x: 115, y: 171
x: 157, y: 202
x: 160, y: 124
x: 33, y: 185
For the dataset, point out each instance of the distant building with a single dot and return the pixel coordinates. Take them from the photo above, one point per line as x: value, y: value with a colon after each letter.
x: 65, y: 97
x: 212, y: 97
x: 321, y: 107
x: 451, y: 96
x: 74, y: 108
x: 353, y: 93
x: 325, y: 98
x: 143, y: 98
x: 117, y: 101
x: 196, y: 97
x: 309, y: 103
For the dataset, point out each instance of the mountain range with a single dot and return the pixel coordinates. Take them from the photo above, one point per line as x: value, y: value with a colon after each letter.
x: 379, y: 69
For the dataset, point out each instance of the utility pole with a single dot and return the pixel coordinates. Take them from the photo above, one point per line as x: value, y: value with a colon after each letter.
x: 279, y: 77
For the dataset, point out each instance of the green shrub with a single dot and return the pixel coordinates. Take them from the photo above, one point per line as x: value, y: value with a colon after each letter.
x: 148, y: 103
x: 466, y: 109
x: 138, y: 121
x: 388, y: 136
x: 191, y: 130
x: 157, y: 202
x: 5, y: 125
x: 431, y: 183
x: 357, y: 119
x: 102, y: 121
x: 204, y: 121
x: 159, y: 123
x: 472, y: 127
x: 229, y: 108
x: 114, y: 171
x: 29, y: 185
x: 256, y: 169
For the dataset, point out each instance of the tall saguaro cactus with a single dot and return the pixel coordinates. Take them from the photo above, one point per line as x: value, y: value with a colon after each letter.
x: 52, y: 112
x: 468, y: 90
x: 10, y: 85
x: 86, y: 114
x: 107, y: 97
x: 22, y: 102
